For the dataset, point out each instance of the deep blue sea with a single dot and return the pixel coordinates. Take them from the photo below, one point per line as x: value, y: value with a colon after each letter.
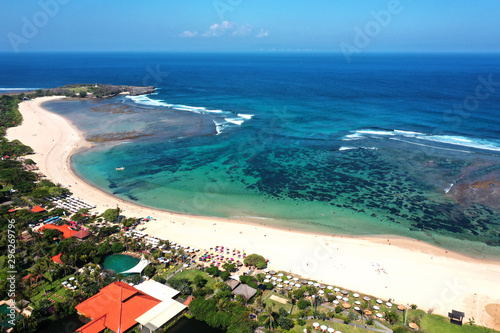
x: 405, y: 144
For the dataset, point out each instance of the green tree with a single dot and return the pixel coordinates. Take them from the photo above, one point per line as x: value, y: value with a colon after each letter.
x: 224, y: 275
x: 199, y: 281
x: 149, y: 271
x: 111, y: 214
x: 117, y: 247
x: 391, y: 316
x: 83, y: 94
x: 104, y: 249
x: 255, y: 260
x: 286, y: 323
x: 212, y: 270
x: 303, y: 304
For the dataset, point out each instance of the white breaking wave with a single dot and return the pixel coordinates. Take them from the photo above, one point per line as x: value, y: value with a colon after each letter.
x: 220, y: 123
x: 246, y: 116
x: 236, y: 121
x: 351, y: 148
x: 482, y: 144
x: 18, y: 89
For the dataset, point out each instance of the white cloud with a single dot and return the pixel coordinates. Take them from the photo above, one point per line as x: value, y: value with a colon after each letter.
x: 262, y: 33
x: 225, y: 28
x: 188, y: 34
x: 244, y: 30
x: 217, y: 30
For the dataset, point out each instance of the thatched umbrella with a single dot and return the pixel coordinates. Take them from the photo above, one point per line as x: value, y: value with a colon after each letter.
x: 346, y: 305
x: 401, y: 307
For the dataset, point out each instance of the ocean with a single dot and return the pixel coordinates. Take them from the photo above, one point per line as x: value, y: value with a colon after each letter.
x: 404, y: 144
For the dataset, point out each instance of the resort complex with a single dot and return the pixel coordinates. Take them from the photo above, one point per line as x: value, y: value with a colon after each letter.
x: 84, y: 259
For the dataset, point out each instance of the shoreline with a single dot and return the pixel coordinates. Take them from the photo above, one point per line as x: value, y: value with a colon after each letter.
x: 416, y: 272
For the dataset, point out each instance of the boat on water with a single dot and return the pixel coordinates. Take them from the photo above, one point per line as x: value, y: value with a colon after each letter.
x: 120, y: 168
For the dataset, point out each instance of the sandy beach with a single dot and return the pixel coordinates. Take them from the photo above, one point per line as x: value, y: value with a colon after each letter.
x: 389, y: 267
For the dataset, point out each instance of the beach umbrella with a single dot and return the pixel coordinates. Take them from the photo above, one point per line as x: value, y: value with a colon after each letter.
x: 292, y: 284
x: 280, y: 274
x: 323, y: 327
x: 379, y: 315
x: 345, y: 299
x: 357, y: 308
x: 316, y: 284
x: 272, y: 272
x: 297, y: 285
x: 72, y: 278
x: 366, y: 298
x: 335, y: 302
x: 376, y: 308
x: 280, y: 280
x: 330, y: 330
x: 321, y: 292
x: 336, y: 290
x: 274, y: 278
x: 344, y: 292
x: 310, y: 283
x: 356, y: 295
x: 339, y: 297
x: 267, y: 281
x: 303, y: 281
x: 280, y: 285
x: 357, y: 303
x: 288, y: 288
x: 288, y: 277
x: 286, y: 282
x: 330, y: 287
x: 268, y: 276
x: 388, y: 304
x: 295, y: 279
x: 315, y: 325
x: 379, y: 301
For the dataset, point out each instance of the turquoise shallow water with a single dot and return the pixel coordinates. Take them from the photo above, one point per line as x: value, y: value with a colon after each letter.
x: 391, y: 144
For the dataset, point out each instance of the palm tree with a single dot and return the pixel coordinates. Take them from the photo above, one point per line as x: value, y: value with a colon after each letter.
x: 270, y: 312
x: 38, y: 270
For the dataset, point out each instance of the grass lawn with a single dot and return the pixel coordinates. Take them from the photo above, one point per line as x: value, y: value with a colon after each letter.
x: 191, y: 273
x: 435, y: 323
x: 337, y: 326
x: 168, y: 271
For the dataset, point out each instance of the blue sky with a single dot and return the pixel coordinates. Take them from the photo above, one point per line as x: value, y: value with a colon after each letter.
x: 251, y: 25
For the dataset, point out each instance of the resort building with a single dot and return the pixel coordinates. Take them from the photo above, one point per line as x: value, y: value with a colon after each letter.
x: 115, y: 307
x: 65, y: 229
x: 121, y: 306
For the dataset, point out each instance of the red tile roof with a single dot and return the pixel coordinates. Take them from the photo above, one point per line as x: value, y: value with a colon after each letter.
x: 37, y: 209
x: 82, y: 234
x: 67, y: 232
x: 114, y: 302
x: 188, y: 300
x: 57, y: 259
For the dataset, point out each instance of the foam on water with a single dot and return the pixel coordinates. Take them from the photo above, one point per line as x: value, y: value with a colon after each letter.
x: 18, y: 89
x: 482, y: 144
x: 220, y: 124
